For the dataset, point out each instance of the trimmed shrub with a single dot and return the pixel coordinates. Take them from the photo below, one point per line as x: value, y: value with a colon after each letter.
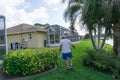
x: 104, y: 61
x: 29, y: 61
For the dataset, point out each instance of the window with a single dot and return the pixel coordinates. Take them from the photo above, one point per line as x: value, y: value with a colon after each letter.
x: 30, y: 36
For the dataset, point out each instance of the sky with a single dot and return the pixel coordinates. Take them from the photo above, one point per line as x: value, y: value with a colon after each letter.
x: 34, y: 11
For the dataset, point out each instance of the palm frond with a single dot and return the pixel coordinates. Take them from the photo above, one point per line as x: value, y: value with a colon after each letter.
x: 71, y: 12
x: 112, y: 11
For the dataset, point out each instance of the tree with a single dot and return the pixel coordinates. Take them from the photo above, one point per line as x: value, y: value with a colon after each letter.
x: 112, y: 16
x: 72, y: 12
x: 38, y: 24
x: 92, y: 17
x: 102, y: 13
x: 87, y: 36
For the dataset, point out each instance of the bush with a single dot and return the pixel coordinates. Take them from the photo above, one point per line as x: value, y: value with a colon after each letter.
x: 87, y: 36
x: 104, y: 61
x: 29, y: 61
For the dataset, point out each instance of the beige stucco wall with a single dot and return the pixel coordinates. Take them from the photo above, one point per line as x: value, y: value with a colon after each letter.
x: 31, y: 42
x: 13, y: 38
x: 36, y: 41
x: 41, y: 36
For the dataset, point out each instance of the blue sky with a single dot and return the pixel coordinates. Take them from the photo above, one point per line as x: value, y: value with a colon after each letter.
x: 34, y: 11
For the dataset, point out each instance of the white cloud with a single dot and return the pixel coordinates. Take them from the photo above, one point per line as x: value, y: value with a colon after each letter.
x: 26, y: 5
x: 51, y: 2
x: 16, y: 16
x: 39, y: 13
x: 80, y: 30
x: 11, y: 3
x: 22, y: 17
x: 55, y: 9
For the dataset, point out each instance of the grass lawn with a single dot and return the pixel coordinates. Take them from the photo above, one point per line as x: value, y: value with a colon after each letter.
x: 80, y: 72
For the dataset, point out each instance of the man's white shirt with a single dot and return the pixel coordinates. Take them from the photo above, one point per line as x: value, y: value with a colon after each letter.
x: 65, y: 45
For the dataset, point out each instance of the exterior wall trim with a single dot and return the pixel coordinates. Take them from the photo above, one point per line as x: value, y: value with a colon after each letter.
x: 27, y: 32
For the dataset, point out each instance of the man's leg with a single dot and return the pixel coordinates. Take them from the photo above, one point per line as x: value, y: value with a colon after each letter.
x: 67, y: 64
x: 66, y: 60
x: 71, y: 62
x: 70, y: 56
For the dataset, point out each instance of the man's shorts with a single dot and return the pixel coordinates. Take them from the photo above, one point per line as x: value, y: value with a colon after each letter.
x: 66, y: 55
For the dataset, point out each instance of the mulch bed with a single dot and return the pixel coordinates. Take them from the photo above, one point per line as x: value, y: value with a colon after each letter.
x: 5, y: 77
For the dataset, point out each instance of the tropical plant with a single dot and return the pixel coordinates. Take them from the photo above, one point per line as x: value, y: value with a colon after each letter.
x: 95, y: 15
x: 103, y: 61
x: 90, y: 13
x: 29, y: 61
x: 112, y: 16
x: 38, y: 24
x: 87, y: 36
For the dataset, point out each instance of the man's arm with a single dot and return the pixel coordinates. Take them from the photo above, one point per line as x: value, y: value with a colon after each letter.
x: 73, y: 45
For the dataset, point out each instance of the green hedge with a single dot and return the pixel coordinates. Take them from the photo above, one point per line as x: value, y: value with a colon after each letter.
x: 104, y: 61
x: 29, y: 61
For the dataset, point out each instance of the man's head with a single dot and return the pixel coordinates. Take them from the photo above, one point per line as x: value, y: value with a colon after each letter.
x: 64, y: 37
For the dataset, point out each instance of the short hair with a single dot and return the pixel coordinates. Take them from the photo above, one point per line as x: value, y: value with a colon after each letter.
x: 64, y: 36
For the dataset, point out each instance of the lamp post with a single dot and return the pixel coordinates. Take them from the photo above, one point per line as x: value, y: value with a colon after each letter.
x: 3, y: 35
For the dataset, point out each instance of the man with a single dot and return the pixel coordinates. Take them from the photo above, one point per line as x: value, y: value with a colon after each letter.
x: 66, y: 52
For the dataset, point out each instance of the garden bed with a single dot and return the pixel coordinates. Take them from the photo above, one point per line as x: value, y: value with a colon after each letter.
x: 103, y: 61
x: 5, y: 77
x: 29, y: 62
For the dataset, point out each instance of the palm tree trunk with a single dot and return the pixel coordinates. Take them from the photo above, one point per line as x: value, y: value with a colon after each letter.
x: 99, y: 31
x: 116, y: 39
x: 92, y: 39
x: 104, y: 38
x: 95, y: 36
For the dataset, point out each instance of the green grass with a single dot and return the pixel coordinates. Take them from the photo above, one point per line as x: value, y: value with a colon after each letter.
x: 80, y: 72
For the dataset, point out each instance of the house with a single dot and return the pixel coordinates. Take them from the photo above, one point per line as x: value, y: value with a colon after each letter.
x: 26, y: 36
x: 29, y: 36
x: 56, y: 32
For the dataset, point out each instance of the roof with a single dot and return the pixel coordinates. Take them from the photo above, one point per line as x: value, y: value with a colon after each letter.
x: 23, y: 28
x: 58, y: 27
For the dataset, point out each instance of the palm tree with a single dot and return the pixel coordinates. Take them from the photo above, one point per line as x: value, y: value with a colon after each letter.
x: 102, y: 13
x: 72, y: 12
x: 92, y: 17
x: 112, y: 16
